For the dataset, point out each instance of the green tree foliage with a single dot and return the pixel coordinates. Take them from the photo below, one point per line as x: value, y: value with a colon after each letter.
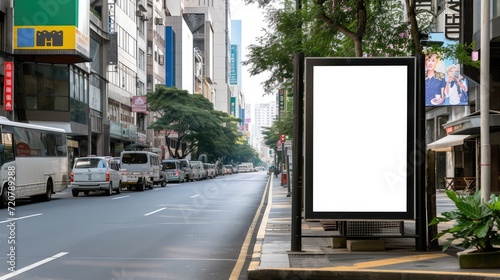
x: 340, y: 28
x: 193, y: 118
x: 242, y: 152
x: 323, y: 28
x: 219, y: 143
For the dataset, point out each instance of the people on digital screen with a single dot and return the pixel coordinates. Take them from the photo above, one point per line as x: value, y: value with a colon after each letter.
x: 434, y: 81
x: 456, y: 85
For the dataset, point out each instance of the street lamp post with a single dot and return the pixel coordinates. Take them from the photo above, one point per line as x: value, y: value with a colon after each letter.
x: 485, y: 102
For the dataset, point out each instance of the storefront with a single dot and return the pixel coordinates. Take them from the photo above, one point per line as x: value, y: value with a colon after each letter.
x: 459, y: 151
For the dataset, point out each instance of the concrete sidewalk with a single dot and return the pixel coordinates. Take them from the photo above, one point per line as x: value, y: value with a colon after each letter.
x: 272, y: 258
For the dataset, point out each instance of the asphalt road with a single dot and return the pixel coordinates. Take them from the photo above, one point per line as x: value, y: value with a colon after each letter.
x: 192, y: 230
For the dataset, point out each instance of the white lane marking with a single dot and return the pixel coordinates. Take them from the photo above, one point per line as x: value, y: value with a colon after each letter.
x: 120, y: 197
x: 196, y: 195
x: 161, y: 209
x: 20, y: 218
x: 29, y: 267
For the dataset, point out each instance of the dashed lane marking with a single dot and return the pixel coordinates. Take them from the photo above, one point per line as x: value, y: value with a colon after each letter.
x: 158, y: 210
x: 20, y: 218
x: 29, y: 267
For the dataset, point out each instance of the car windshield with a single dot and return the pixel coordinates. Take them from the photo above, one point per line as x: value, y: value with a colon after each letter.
x: 169, y: 165
x: 134, y: 158
x: 90, y: 163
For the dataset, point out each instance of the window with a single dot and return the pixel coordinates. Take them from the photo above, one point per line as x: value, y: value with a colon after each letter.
x: 134, y: 158
x: 127, y: 42
x: 90, y: 163
x: 46, y: 86
x: 33, y: 142
x: 8, y: 154
x: 142, y: 60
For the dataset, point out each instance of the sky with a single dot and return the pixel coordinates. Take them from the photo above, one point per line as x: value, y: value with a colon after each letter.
x: 252, y: 23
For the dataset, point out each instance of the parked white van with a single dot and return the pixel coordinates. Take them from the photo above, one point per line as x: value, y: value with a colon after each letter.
x: 141, y: 169
x: 198, y: 170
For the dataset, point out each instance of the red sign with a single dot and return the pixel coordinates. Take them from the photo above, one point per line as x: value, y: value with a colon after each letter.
x: 23, y: 149
x: 139, y: 104
x: 8, y: 86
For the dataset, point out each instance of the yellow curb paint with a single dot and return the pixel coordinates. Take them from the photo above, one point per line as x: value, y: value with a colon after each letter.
x: 246, y: 243
x: 429, y: 272
x: 391, y: 261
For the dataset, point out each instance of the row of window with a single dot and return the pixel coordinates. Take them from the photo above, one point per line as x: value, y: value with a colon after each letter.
x: 128, y: 7
x: 23, y: 142
x: 127, y: 42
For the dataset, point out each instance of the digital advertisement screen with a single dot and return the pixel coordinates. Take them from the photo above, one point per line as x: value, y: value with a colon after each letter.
x: 359, y: 143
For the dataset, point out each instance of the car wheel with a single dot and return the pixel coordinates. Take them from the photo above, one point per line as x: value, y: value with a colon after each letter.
x: 163, y: 184
x: 48, y: 191
x: 109, y: 191
x: 142, y: 186
x: 75, y: 193
x: 119, y: 190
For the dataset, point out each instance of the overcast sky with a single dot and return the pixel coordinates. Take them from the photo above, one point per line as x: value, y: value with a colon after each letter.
x: 252, y: 23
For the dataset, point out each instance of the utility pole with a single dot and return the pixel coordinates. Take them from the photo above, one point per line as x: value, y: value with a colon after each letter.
x: 484, y: 100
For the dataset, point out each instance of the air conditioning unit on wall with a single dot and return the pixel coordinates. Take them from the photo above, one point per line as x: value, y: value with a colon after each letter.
x: 158, y: 21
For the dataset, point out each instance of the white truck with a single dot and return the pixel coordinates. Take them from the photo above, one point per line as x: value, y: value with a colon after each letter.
x: 245, y: 167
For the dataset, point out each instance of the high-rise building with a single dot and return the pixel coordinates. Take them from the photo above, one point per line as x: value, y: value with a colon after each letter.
x: 263, y: 115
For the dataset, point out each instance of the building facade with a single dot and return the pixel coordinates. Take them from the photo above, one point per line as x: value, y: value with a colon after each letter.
x: 453, y: 132
x: 94, y: 85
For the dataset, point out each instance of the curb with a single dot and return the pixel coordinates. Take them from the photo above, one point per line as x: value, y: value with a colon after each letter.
x: 257, y: 252
x: 303, y: 274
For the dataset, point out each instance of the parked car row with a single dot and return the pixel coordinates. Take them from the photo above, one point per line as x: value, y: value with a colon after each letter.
x: 183, y: 170
x: 137, y: 170
x: 134, y: 170
x: 229, y: 169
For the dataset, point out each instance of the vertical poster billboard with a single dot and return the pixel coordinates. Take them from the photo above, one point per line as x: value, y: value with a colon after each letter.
x: 445, y: 85
x: 360, y: 138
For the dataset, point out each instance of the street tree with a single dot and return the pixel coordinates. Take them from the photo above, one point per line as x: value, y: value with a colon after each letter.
x: 190, y: 116
x: 325, y: 28
x: 219, y: 142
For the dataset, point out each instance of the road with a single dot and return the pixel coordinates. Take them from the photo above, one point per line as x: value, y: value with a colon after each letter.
x: 192, y: 230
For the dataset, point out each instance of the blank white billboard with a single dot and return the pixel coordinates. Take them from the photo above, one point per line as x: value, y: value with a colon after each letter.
x: 359, y: 140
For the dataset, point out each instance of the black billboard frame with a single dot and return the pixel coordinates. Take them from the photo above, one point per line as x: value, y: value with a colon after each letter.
x: 411, y: 65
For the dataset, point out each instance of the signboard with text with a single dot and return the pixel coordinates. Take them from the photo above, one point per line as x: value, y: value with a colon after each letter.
x: 8, y: 86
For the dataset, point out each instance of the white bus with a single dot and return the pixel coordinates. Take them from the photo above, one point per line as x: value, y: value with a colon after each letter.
x: 33, y: 161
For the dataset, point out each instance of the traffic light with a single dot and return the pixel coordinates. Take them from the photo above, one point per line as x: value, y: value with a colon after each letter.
x: 283, y: 138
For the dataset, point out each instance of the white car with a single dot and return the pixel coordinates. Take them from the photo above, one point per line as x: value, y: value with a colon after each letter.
x: 95, y: 174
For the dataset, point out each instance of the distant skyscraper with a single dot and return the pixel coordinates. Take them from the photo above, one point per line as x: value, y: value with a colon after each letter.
x: 264, y: 115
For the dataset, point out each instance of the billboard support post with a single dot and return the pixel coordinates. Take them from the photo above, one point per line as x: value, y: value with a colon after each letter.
x: 420, y: 182
x: 297, y: 157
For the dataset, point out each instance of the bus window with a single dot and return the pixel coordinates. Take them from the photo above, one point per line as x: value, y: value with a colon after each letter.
x: 8, y: 154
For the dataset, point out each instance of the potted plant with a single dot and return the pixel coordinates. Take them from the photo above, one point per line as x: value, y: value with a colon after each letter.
x: 475, y: 228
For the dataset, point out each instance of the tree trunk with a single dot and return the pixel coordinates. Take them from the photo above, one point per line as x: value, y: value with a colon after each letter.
x: 415, y: 33
x: 430, y: 189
